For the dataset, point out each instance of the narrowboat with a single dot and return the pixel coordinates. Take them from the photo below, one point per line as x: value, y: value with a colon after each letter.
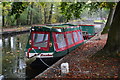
x: 88, y: 31
x: 53, y: 41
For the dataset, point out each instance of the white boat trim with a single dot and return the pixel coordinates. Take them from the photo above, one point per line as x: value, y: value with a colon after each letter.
x: 41, y: 55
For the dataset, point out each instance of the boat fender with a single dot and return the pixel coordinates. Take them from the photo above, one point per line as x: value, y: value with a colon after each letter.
x: 39, y: 47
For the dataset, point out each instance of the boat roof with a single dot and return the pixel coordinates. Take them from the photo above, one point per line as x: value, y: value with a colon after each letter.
x: 85, y: 25
x: 69, y: 24
x: 55, y: 28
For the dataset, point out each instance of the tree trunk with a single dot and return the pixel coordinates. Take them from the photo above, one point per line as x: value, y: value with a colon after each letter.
x: 3, y: 17
x: 50, y: 15
x: 42, y: 12
x: 40, y: 18
x: 113, y: 42
x: 18, y: 21
x: 3, y: 20
x: 112, y: 47
x: 45, y: 17
x: 28, y: 17
x: 31, y: 14
x: 109, y: 21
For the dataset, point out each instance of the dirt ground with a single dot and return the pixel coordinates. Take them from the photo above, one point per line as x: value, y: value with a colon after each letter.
x: 80, y: 66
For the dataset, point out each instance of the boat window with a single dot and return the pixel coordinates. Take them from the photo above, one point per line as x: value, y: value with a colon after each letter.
x: 60, y: 40
x: 80, y: 34
x: 69, y: 38
x: 40, y: 40
x: 75, y: 37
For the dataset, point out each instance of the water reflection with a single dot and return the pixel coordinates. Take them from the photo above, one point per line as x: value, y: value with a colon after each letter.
x: 13, y: 57
x: 0, y: 57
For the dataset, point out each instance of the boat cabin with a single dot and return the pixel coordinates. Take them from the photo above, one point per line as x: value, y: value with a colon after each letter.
x: 90, y: 29
x: 46, y: 41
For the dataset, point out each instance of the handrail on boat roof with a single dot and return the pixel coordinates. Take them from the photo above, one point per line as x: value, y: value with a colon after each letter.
x: 60, y: 26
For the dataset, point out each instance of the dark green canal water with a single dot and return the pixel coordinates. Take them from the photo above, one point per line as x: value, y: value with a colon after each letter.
x: 13, y: 56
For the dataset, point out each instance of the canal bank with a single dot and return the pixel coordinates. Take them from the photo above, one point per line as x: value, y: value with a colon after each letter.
x: 80, y: 66
x: 18, y: 30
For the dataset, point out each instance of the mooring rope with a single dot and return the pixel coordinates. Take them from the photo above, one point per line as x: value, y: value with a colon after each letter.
x: 41, y: 59
x: 44, y: 62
